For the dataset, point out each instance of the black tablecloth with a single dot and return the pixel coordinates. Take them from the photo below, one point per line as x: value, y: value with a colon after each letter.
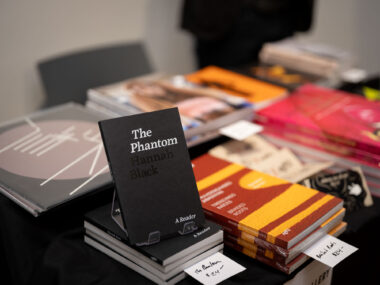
x: 50, y: 250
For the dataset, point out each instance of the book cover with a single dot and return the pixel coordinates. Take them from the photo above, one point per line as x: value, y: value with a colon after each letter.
x: 350, y: 185
x: 286, y: 268
x: 52, y: 156
x: 336, y: 115
x: 152, y: 172
x: 270, y: 208
x: 163, y: 253
x: 258, y: 92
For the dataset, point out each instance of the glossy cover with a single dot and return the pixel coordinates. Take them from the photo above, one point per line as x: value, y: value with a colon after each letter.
x: 341, y: 117
x: 52, y: 156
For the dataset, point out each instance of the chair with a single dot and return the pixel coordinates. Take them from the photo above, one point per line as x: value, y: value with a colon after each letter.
x: 68, y: 77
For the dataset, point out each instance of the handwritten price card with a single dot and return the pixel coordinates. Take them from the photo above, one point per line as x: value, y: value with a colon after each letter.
x: 240, y: 130
x: 214, y: 269
x: 330, y: 250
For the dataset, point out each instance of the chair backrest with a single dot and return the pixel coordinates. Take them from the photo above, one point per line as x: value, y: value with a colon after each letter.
x: 68, y: 77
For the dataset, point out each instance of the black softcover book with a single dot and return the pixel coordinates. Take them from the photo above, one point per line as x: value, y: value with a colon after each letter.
x: 167, y: 250
x: 153, y: 177
x: 52, y: 156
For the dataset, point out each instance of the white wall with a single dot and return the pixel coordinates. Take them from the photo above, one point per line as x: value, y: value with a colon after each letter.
x: 33, y: 30
x: 170, y: 47
x: 350, y: 24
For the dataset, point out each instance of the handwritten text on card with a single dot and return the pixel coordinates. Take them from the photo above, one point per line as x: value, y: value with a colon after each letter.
x: 330, y: 250
x: 214, y: 269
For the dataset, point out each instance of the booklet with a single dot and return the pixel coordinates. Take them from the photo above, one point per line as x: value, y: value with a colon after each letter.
x: 153, y: 176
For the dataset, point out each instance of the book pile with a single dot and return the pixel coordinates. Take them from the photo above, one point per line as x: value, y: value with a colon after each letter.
x: 51, y: 157
x: 336, y: 125
x: 256, y: 152
x: 265, y: 217
x: 163, y: 262
x: 313, y: 58
x: 258, y: 92
x: 203, y: 110
x: 282, y: 76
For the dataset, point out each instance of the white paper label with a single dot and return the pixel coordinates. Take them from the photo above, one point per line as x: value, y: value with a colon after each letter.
x: 330, y: 250
x: 241, y: 130
x: 315, y: 273
x: 214, y: 269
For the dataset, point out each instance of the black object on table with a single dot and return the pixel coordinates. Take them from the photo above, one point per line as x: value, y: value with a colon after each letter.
x: 50, y: 249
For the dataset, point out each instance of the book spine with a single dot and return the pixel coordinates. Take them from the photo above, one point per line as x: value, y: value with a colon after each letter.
x: 260, y: 258
x: 231, y: 228
x: 255, y: 248
x: 280, y: 124
x: 120, y: 238
x: 321, y: 143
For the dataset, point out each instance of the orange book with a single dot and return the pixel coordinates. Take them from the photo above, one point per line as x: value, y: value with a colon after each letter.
x: 258, y: 92
x: 286, y: 268
x: 264, y: 206
x: 280, y: 254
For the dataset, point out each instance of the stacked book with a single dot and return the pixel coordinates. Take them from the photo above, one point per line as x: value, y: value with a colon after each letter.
x: 257, y: 92
x: 313, y: 58
x: 337, y: 126
x: 163, y: 262
x: 203, y: 110
x: 265, y: 217
x: 280, y: 75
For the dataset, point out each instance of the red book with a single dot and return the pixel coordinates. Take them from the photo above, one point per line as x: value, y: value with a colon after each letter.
x: 267, y: 207
x: 330, y: 114
x: 287, y: 268
x: 324, y: 144
x: 280, y: 254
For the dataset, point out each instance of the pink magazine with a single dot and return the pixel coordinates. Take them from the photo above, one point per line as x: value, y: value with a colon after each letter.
x: 339, y: 116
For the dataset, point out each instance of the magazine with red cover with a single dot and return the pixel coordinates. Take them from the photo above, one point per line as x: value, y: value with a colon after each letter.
x: 270, y: 208
x: 338, y: 116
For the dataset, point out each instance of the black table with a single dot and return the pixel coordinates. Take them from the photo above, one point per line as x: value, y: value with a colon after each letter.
x: 50, y: 249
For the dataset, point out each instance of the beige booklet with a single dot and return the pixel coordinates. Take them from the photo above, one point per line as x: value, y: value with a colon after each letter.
x: 256, y: 153
x: 281, y: 164
x: 248, y: 152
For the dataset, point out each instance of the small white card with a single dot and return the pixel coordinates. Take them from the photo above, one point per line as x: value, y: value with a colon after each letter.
x: 330, y: 250
x: 314, y: 273
x: 240, y: 130
x: 214, y: 269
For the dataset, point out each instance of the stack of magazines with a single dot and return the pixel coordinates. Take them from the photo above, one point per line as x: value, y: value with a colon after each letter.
x: 314, y: 58
x: 326, y: 124
x: 203, y: 110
